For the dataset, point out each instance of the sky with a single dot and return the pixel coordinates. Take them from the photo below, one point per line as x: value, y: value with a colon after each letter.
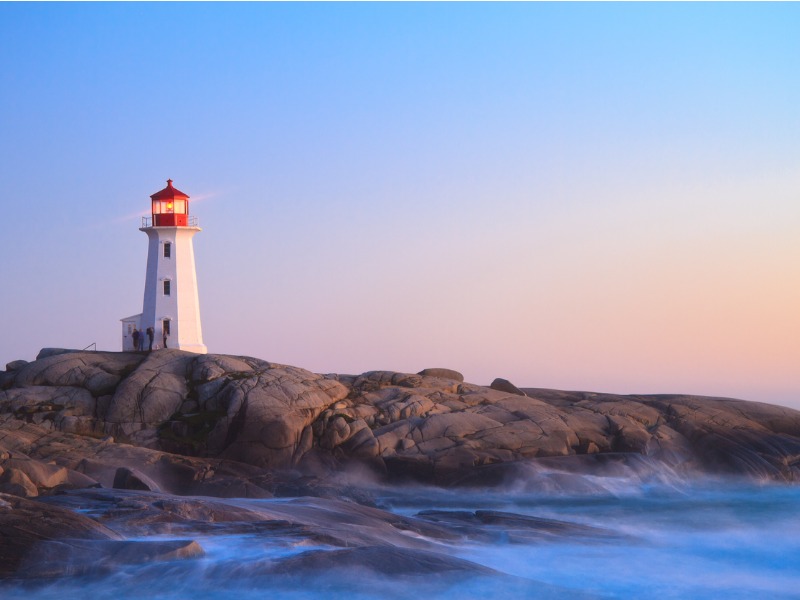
x: 600, y: 197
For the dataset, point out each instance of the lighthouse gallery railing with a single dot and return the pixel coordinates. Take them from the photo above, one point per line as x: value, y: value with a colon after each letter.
x: 191, y: 222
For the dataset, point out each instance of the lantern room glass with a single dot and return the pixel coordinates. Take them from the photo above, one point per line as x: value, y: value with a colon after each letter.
x: 165, y: 207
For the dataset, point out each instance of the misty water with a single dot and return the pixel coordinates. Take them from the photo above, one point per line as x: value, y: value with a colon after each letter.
x: 659, y: 539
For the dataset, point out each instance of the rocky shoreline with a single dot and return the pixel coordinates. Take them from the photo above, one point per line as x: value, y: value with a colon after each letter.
x: 110, y: 434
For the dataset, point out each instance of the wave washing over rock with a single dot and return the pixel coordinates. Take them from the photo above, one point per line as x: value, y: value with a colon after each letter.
x: 199, y: 467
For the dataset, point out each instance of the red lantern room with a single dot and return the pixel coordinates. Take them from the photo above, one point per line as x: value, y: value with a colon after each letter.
x: 170, y: 207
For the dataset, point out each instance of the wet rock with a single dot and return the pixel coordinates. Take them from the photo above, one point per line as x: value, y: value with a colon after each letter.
x: 140, y: 513
x: 330, y: 521
x: 26, y: 523
x: 386, y: 561
x: 490, y: 526
x: 734, y: 436
x: 58, y: 558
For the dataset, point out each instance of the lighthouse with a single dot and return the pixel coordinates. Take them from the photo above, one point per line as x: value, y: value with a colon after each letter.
x: 171, y: 303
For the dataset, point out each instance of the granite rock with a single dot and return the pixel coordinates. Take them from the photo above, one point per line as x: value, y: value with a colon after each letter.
x: 175, y: 417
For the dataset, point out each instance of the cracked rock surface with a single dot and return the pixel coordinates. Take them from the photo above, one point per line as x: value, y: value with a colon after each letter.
x: 225, y: 425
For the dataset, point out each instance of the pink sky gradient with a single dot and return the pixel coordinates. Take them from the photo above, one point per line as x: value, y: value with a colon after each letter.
x: 580, y: 196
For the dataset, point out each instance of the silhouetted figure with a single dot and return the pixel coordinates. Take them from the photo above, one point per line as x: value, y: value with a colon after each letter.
x: 150, y: 334
x: 136, y: 336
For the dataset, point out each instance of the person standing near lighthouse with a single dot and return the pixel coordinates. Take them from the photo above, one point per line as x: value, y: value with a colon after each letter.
x: 171, y: 301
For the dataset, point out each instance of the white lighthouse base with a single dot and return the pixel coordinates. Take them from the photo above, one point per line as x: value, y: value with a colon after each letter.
x: 196, y: 348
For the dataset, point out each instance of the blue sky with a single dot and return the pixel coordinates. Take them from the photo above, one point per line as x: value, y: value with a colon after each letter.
x: 581, y: 196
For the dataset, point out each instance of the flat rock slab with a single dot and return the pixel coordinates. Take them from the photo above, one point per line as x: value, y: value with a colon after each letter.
x: 325, y: 521
x: 25, y: 524
x: 494, y: 526
x: 142, y: 513
x: 383, y: 560
x: 70, y: 557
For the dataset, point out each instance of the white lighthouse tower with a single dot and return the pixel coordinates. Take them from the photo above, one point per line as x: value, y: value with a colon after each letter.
x: 171, y: 304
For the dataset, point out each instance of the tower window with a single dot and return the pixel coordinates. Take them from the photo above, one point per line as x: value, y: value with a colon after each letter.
x: 167, y: 249
x: 165, y: 326
x: 167, y: 283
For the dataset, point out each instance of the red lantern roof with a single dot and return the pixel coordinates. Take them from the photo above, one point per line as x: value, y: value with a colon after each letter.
x: 169, y: 193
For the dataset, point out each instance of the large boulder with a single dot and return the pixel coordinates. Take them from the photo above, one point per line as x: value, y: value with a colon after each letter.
x: 16, y: 482
x: 266, y: 413
x: 149, y: 395
x: 43, y: 475
x: 16, y: 365
x: 504, y: 385
x: 442, y: 374
x: 97, y: 372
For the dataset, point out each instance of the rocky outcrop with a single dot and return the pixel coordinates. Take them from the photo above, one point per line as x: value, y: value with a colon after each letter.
x: 224, y: 425
x: 57, y: 461
x: 143, y: 442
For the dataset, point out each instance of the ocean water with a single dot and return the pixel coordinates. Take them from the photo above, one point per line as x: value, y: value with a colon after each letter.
x: 648, y: 539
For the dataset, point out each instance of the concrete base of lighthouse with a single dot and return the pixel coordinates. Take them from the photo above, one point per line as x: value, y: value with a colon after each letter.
x: 135, y: 322
x: 196, y: 348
